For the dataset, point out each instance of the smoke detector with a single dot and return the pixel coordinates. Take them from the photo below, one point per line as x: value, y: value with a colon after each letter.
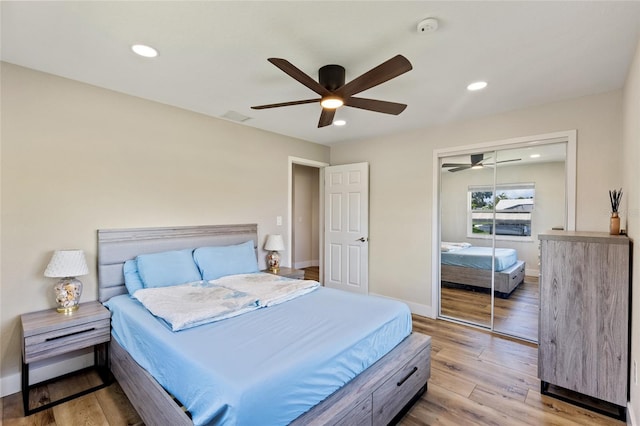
x: 428, y: 25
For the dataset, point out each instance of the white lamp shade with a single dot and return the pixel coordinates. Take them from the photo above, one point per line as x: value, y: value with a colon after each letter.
x: 67, y: 263
x: 274, y: 243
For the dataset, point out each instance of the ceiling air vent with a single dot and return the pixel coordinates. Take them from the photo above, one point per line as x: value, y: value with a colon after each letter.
x: 235, y: 116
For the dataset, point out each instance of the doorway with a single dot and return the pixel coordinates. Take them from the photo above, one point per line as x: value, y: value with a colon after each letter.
x: 305, y: 244
x: 305, y: 215
x: 492, y: 200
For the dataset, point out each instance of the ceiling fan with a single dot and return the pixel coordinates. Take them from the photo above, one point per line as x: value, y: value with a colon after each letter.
x: 335, y: 93
x: 477, y: 161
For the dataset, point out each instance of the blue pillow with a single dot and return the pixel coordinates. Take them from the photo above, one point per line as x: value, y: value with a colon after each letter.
x: 216, y: 262
x: 131, y: 277
x: 167, y: 268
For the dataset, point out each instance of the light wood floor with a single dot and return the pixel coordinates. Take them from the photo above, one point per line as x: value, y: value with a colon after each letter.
x: 311, y: 273
x: 107, y: 406
x: 517, y: 315
x: 476, y: 379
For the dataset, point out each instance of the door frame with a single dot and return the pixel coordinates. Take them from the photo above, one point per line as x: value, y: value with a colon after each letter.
x: 570, y: 136
x: 320, y: 166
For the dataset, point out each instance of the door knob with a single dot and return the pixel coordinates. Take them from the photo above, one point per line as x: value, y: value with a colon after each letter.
x: 362, y: 239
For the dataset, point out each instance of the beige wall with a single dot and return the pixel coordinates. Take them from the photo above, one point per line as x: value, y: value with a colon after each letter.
x: 631, y: 204
x: 548, y: 212
x: 76, y: 158
x: 306, y: 197
x: 401, y: 181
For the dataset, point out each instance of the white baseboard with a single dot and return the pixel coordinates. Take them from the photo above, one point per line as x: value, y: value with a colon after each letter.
x: 306, y: 264
x: 532, y: 272
x: 41, y: 371
x: 631, y: 417
x: 416, y: 308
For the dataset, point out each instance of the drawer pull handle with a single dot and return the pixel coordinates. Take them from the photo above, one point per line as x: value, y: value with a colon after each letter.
x: 48, y: 339
x: 407, y: 376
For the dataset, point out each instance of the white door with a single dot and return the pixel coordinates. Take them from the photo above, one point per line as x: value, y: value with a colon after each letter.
x: 346, y: 227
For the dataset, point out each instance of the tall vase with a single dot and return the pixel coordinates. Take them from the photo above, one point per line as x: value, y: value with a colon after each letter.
x: 614, y: 224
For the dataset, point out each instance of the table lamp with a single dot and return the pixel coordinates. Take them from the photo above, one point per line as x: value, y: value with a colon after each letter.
x: 274, y: 244
x: 66, y: 265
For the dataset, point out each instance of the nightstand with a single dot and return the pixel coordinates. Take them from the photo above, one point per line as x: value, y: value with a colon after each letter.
x: 297, y: 274
x: 48, y: 333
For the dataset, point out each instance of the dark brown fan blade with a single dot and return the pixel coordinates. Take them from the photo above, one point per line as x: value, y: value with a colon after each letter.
x: 375, y: 105
x: 326, y: 118
x: 455, y: 164
x: 303, y: 78
x: 392, y: 68
x: 457, y: 169
x: 281, y: 104
x: 508, y: 161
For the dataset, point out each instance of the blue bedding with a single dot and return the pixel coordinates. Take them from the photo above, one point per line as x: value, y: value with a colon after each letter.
x: 480, y: 258
x: 268, y: 366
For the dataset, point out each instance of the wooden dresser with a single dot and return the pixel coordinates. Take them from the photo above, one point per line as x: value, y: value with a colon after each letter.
x: 584, y: 314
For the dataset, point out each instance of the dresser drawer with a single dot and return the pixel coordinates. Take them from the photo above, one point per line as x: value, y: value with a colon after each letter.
x: 391, y: 396
x: 59, y: 341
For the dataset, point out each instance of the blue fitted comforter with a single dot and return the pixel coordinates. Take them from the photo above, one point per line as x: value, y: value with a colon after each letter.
x: 480, y: 258
x: 268, y: 366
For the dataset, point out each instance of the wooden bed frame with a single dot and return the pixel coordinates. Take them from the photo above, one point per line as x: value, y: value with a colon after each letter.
x: 379, y: 395
x: 506, y: 280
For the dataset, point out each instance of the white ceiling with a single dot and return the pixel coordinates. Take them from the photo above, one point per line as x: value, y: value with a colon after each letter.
x: 213, y: 55
x: 546, y: 153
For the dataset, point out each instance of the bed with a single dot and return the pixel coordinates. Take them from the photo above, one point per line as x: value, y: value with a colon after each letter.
x: 465, y: 266
x: 375, y: 385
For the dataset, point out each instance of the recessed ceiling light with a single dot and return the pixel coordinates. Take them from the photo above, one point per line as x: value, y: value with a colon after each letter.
x: 478, y: 85
x: 339, y: 123
x: 534, y: 156
x: 144, y: 50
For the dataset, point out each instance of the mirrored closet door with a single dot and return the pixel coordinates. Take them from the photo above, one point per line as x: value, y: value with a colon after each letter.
x: 464, y: 293
x: 492, y: 206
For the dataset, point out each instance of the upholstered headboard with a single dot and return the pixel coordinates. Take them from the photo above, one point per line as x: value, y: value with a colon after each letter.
x: 115, y: 246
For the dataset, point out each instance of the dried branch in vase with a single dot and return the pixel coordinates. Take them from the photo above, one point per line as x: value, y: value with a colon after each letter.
x: 615, y: 197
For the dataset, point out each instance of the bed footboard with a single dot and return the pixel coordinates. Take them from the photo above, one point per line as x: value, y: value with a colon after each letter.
x: 379, y: 393
x: 377, y: 396
x: 505, y: 281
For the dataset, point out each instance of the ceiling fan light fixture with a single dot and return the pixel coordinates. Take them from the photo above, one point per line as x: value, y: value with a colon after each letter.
x: 334, y: 92
x: 144, y: 50
x: 331, y: 102
x: 477, y: 167
x: 339, y: 123
x: 478, y: 85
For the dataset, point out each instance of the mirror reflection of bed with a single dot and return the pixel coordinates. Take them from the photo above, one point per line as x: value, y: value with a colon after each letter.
x: 466, y: 279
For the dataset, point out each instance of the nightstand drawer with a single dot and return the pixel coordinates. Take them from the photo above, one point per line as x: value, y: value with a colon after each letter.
x: 56, y: 342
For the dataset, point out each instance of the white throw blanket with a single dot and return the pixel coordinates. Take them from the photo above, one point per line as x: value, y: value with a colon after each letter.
x: 269, y: 289
x: 447, y: 246
x: 188, y: 305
